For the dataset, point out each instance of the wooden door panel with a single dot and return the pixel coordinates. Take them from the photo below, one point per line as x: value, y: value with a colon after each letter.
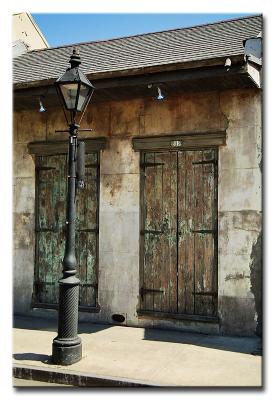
x: 51, y: 187
x: 204, y: 261
x: 44, y: 260
x: 92, y: 269
x: 91, y: 171
x: 185, y: 238
x: 86, y: 200
x: 152, y: 229
x: 205, y: 282
x: 58, y: 249
x: 205, y: 225
x: 179, y: 217
x: 86, y: 256
x: 169, y: 247
x: 197, y: 216
x: 51, y: 195
x: 159, y: 246
x: 45, y: 202
x: 204, y: 195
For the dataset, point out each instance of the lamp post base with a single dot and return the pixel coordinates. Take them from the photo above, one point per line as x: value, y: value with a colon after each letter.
x: 64, y: 354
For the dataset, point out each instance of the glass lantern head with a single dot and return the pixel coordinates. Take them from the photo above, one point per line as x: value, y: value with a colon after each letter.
x: 73, y: 87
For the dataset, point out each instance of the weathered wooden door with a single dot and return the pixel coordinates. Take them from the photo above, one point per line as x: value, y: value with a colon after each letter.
x: 179, y: 232
x: 51, y: 187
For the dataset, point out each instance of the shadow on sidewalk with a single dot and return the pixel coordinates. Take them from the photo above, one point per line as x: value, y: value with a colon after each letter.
x: 50, y: 325
x: 31, y: 357
x: 245, y: 345
x: 44, y: 358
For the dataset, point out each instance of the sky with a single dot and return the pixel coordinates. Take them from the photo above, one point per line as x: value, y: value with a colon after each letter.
x: 62, y: 29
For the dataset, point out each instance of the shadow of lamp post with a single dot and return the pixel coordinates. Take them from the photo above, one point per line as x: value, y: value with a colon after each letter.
x: 75, y: 91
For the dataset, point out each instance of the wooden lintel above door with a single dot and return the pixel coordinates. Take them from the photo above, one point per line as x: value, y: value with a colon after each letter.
x: 44, y: 148
x: 180, y: 141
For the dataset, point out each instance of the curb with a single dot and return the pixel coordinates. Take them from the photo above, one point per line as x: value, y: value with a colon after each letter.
x: 74, y: 378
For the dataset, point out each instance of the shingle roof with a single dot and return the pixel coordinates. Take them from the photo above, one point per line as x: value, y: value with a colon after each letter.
x: 221, y: 39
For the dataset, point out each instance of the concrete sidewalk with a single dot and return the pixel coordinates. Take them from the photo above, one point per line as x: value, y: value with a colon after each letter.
x: 124, y: 356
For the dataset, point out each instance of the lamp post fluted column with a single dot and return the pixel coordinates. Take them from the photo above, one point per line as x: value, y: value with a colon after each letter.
x: 67, y: 347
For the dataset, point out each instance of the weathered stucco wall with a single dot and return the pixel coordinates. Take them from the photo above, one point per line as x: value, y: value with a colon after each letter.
x: 23, y: 221
x: 240, y: 214
x: 119, y: 229
x: 237, y: 111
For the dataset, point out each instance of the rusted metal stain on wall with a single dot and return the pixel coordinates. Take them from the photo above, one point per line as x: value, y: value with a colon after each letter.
x: 179, y: 232
x: 51, y: 173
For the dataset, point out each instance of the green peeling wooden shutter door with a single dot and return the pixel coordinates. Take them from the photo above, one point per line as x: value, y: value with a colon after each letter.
x: 197, y: 228
x: 51, y: 187
x: 159, y: 233
x: 179, y: 232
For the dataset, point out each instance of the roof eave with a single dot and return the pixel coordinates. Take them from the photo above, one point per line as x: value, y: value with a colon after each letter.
x: 211, y: 62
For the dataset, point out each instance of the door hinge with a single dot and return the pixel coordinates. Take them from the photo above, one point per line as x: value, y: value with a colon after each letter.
x: 205, y: 162
x: 94, y: 285
x: 94, y: 165
x: 214, y: 294
x: 144, y: 291
x: 44, y: 168
x: 89, y: 230
x: 213, y: 231
x: 151, y: 164
x: 153, y: 232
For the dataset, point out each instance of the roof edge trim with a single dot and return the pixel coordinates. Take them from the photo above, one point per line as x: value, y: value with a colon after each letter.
x: 212, y: 62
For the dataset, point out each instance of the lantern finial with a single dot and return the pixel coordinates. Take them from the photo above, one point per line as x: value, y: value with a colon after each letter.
x: 75, y: 58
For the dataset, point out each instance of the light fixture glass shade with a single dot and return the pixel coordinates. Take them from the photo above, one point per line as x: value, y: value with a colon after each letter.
x: 84, y: 92
x: 69, y: 94
x: 75, y: 95
x: 160, y: 95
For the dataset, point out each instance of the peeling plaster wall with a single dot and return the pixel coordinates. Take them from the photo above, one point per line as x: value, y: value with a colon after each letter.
x: 240, y: 208
x: 237, y: 111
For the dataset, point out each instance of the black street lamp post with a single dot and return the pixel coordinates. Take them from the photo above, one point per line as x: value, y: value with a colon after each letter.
x: 75, y: 92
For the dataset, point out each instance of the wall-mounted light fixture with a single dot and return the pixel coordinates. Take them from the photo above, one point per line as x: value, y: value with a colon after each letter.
x: 41, y: 107
x: 227, y: 63
x: 159, y: 95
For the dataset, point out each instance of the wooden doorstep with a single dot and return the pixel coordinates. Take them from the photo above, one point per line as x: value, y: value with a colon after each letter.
x: 187, y: 317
